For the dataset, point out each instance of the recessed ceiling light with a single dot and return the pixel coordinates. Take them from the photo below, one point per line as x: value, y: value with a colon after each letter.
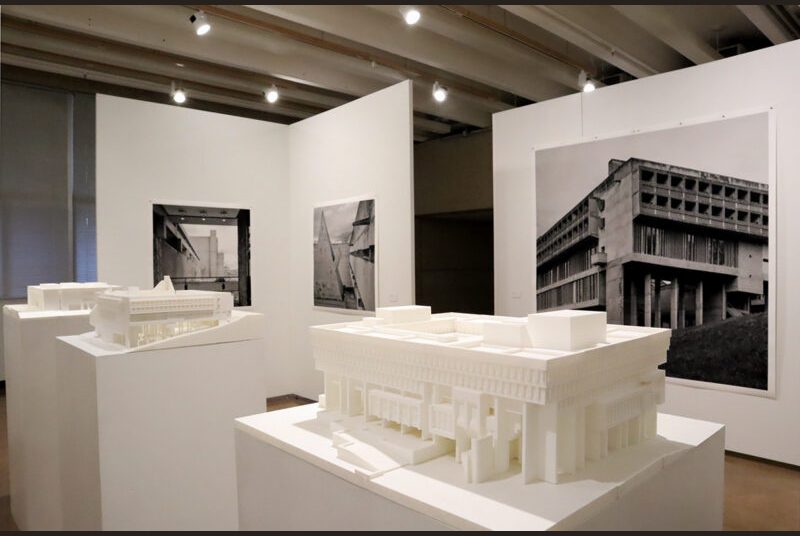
x: 272, y: 94
x: 439, y: 92
x: 200, y: 23
x: 412, y: 16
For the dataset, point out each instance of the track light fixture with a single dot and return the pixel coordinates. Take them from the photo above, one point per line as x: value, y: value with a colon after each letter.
x: 585, y: 83
x: 439, y: 92
x: 200, y: 23
x: 178, y: 95
x: 272, y: 94
x: 412, y: 16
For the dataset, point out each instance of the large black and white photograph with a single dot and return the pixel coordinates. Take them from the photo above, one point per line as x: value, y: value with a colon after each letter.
x: 667, y: 228
x: 344, y: 255
x: 203, y: 248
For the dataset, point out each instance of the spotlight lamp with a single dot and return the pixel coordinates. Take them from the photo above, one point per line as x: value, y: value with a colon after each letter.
x: 585, y: 83
x: 439, y: 92
x: 412, y: 16
x: 178, y: 95
x: 272, y: 94
x: 200, y: 23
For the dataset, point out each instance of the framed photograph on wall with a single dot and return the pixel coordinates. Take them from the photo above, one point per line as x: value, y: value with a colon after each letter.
x: 672, y: 227
x: 345, y: 255
x: 203, y: 248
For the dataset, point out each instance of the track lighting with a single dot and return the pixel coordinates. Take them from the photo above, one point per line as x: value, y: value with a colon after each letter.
x: 200, y: 23
x: 412, y: 16
x: 178, y: 95
x: 585, y: 83
x: 439, y: 92
x: 272, y: 94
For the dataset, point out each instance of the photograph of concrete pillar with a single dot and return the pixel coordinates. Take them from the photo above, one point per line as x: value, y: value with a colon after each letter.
x: 203, y: 248
x: 344, y: 255
x: 666, y: 228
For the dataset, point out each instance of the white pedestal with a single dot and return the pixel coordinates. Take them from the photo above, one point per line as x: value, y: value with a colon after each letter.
x: 147, y: 437
x: 31, y: 410
x: 290, y: 478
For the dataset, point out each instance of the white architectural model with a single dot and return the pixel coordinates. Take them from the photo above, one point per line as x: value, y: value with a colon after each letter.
x: 65, y: 296
x: 552, y: 391
x: 136, y: 317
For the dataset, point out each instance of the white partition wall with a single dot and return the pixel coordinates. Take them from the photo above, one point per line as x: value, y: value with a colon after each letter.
x: 767, y: 78
x: 362, y: 148
x: 167, y: 154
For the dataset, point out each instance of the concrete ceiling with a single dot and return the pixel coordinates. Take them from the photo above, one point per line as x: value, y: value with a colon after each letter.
x: 491, y: 58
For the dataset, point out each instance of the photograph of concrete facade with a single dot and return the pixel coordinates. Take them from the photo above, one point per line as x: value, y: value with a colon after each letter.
x: 541, y: 396
x: 344, y: 255
x: 203, y: 248
x: 679, y: 242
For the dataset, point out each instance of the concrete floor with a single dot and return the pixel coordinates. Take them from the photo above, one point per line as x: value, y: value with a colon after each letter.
x: 758, y: 495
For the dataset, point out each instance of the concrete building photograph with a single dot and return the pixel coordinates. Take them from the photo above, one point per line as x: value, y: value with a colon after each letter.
x: 203, y: 248
x: 663, y: 245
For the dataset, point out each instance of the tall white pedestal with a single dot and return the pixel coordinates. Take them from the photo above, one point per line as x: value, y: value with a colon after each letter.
x: 290, y: 478
x: 32, y: 411
x: 147, y: 438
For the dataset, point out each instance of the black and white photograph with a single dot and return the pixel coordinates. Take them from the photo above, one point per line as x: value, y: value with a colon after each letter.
x: 667, y: 228
x: 203, y: 248
x: 344, y: 255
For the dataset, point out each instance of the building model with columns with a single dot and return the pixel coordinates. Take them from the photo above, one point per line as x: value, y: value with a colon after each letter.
x: 549, y: 392
x: 135, y: 317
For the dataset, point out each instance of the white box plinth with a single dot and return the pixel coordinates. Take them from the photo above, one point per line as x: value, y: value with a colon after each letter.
x: 31, y: 411
x: 146, y: 436
x: 567, y: 330
x: 290, y: 478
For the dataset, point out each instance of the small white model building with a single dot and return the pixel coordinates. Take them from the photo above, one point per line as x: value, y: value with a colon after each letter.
x: 136, y: 317
x: 552, y: 391
x: 65, y: 296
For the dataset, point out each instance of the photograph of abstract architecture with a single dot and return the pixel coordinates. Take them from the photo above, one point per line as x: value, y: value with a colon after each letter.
x: 657, y: 243
x: 540, y: 396
x: 344, y: 255
x: 203, y: 248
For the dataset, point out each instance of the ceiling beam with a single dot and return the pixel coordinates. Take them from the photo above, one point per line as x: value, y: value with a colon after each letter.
x: 474, y: 54
x: 40, y: 78
x: 662, y: 23
x: 763, y: 19
x: 231, y: 44
x: 604, y: 33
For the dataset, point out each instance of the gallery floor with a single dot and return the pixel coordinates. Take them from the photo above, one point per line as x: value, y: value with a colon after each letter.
x: 758, y: 495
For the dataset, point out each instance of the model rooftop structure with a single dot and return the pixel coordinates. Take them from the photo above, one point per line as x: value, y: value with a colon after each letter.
x: 65, y: 296
x: 551, y: 391
x: 136, y: 317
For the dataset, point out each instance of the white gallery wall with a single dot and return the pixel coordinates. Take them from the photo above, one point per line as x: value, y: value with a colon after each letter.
x: 759, y: 426
x: 153, y: 152
x: 361, y: 148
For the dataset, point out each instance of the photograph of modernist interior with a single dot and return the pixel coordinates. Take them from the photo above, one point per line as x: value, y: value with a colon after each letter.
x: 344, y: 255
x: 203, y: 248
x: 672, y: 233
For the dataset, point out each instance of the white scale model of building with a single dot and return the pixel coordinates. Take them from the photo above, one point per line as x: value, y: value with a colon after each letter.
x: 65, y: 296
x: 137, y: 317
x: 552, y: 391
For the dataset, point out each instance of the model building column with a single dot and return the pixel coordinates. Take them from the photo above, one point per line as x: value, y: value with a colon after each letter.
x: 502, y: 435
x: 540, y: 443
